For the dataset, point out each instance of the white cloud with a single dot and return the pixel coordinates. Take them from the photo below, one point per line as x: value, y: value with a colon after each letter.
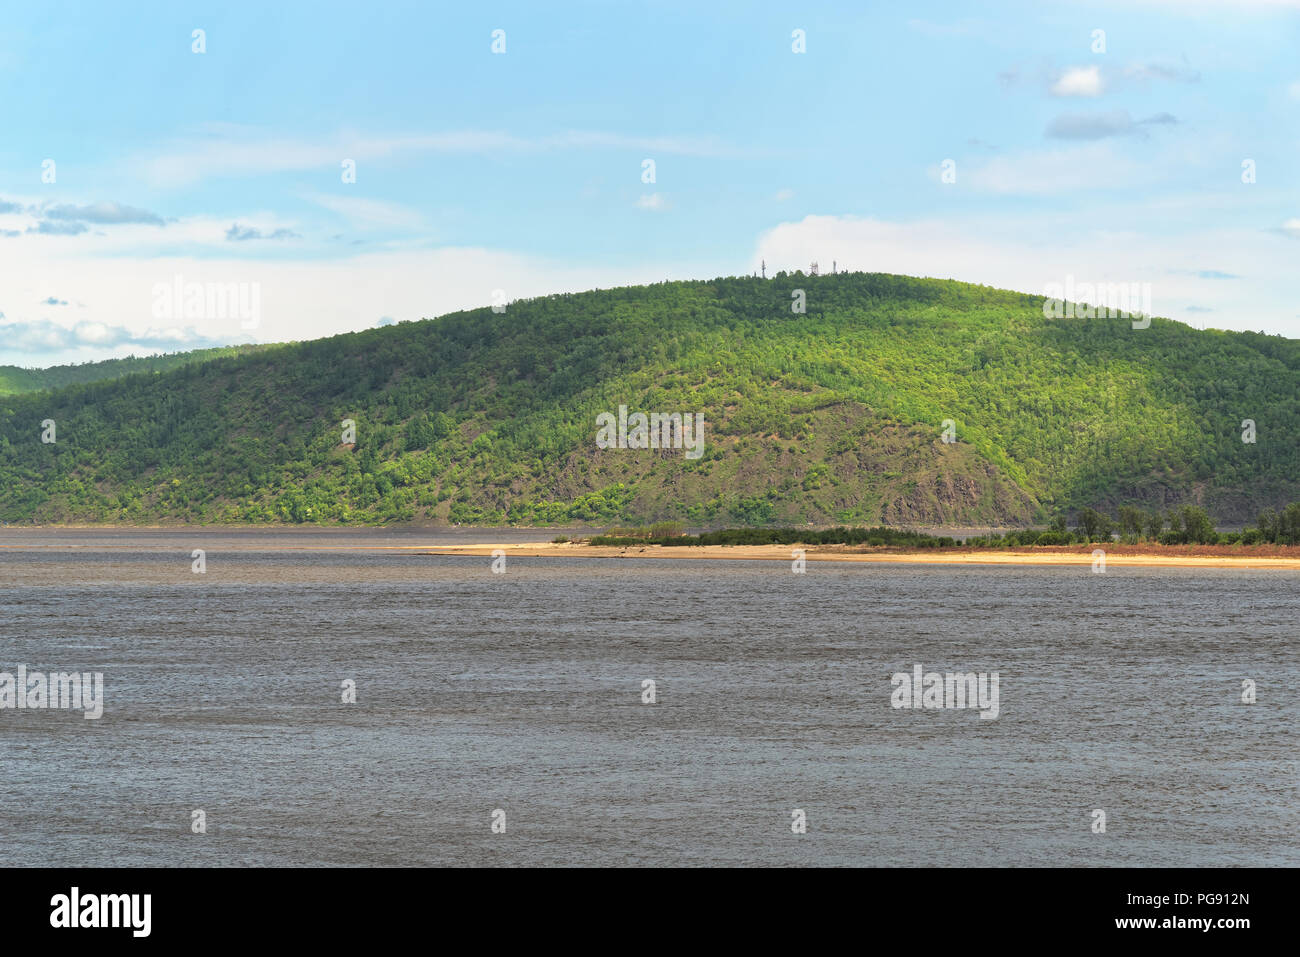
x: 238, y: 233
x: 369, y: 213
x: 41, y: 336
x: 1079, y: 81
x: 93, y: 333
x: 1058, y: 171
x: 235, y: 151
x: 651, y: 201
x: 1156, y: 70
x: 230, y: 150
x: 782, y: 195
x: 128, y: 238
x: 1014, y: 254
x: 1091, y: 126
x: 299, y: 299
x: 99, y: 213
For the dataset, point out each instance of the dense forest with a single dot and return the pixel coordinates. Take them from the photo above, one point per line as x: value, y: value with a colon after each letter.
x: 892, y: 400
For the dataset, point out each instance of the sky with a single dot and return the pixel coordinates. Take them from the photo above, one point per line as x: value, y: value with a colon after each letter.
x: 163, y: 190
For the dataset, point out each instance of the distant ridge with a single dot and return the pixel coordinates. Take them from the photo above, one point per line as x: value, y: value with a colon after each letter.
x: 14, y: 379
x: 835, y: 415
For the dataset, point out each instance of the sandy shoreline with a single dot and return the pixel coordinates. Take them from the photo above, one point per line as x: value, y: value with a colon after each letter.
x: 842, y: 553
x: 1117, y: 554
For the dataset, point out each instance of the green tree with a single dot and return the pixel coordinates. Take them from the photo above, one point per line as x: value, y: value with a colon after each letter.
x: 1268, y: 525
x: 1093, y: 525
x: 1130, y: 522
x: 1197, y: 527
x: 1288, y: 525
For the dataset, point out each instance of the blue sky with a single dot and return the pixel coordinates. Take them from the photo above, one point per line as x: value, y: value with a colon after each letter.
x: 520, y: 173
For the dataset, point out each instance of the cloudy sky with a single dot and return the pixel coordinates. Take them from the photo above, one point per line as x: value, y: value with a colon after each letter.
x: 1004, y: 143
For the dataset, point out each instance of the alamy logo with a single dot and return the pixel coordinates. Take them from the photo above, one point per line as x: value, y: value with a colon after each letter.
x: 103, y: 910
x: 209, y: 300
x: 656, y: 430
x: 1122, y: 300
x: 934, y: 690
x: 38, y: 690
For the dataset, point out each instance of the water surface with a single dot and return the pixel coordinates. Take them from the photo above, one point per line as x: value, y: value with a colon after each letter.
x: 522, y: 691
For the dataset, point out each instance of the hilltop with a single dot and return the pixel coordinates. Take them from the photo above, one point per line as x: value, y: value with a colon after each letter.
x: 831, y: 416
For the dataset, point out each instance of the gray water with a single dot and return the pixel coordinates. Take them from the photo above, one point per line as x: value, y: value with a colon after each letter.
x: 522, y: 692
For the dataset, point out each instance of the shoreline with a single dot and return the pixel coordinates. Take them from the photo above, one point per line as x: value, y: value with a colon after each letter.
x: 479, y: 543
x: 1131, y: 556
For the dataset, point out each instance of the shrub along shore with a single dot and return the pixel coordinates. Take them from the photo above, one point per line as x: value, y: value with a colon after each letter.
x: 1188, y: 525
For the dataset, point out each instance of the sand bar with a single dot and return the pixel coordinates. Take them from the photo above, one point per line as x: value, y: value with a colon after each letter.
x: 844, y: 553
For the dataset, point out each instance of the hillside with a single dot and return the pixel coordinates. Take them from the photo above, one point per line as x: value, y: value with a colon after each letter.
x: 14, y: 379
x: 830, y: 416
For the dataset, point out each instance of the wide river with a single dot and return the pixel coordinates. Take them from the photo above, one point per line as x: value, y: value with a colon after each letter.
x: 522, y: 693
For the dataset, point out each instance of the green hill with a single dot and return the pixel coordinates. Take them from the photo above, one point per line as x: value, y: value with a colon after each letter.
x: 14, y: 379
x: 830, y: 416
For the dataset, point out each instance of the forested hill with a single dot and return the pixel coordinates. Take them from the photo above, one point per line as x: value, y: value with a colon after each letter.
x: 16, y: 379
x: 836, y: 415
